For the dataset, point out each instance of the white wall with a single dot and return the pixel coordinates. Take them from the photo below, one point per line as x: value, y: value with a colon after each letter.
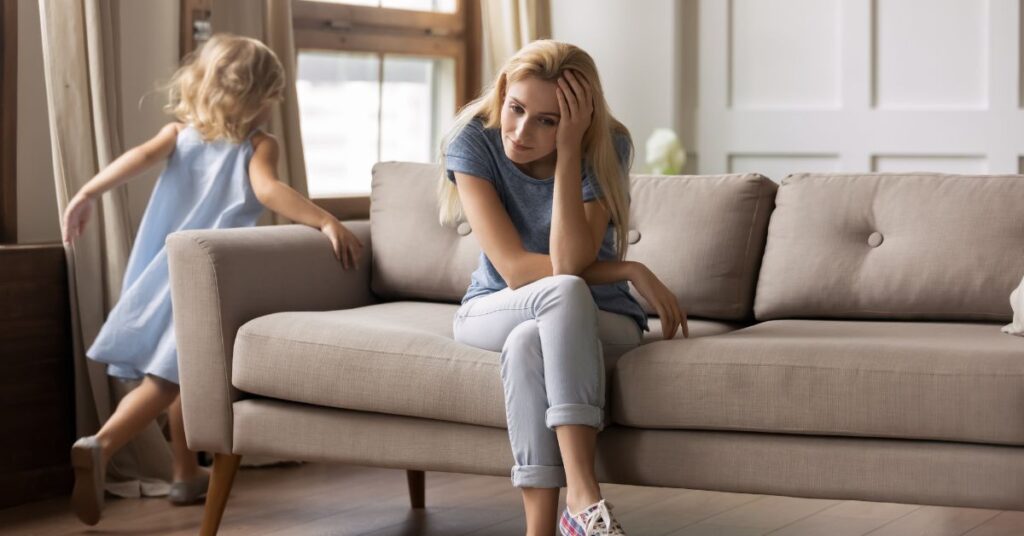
x: 814, y: 85
x: 149, y: 54
x: 860, y: 85
x: 637, y: 48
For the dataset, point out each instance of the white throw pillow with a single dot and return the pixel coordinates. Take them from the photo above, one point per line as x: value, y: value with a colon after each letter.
x: 1017, y: 303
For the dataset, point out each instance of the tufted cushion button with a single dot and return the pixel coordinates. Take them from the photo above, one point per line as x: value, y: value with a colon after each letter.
x: 633, y: 237
x: 875, y: 239
x: 463, y: 229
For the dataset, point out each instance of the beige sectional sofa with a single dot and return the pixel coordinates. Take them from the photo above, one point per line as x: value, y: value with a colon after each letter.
x: 844, y: 341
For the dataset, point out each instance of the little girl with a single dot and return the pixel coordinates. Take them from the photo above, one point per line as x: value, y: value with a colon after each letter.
x: 220, y: 172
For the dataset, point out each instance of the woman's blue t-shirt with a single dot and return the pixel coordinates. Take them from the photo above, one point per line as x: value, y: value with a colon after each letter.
x: 478, y: 151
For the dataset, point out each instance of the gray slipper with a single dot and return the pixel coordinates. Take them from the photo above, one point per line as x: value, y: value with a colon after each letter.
x: 90, y: 477
x: 189, y: 491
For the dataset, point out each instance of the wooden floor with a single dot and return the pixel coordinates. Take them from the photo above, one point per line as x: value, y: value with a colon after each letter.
x: 336, y: 499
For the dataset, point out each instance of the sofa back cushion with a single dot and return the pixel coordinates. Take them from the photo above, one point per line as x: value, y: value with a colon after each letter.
x: 702, y: 235
x: 893, y: 246
x: 414, y: 256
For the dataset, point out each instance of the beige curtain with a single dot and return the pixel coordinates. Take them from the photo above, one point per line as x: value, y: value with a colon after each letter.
x: 80, y: 54
x: 507, y: 26
x: 272, y: 24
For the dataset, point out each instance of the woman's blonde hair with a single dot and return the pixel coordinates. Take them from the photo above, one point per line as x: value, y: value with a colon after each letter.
x: 547, y: 60
x: 221, y: 87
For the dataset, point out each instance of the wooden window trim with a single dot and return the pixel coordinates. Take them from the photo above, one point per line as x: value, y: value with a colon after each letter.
x: 193, y: 12
x: 9, y: 123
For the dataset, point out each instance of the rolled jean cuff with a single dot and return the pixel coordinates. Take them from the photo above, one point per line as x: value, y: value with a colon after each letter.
x: 581, y: 414
x: 538, y: 476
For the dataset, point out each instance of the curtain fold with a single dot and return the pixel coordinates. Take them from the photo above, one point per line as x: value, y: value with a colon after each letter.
x: 80, y: 41
x: 508, y: 25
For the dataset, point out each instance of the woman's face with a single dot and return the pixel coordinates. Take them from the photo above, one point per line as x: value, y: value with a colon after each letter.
x: 529, y: 120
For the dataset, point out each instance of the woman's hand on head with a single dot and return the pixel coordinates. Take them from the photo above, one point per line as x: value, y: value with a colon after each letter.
x: 347, y: 247
x: 576, y: 108
x: 662, y: 299
x: 76, y: 215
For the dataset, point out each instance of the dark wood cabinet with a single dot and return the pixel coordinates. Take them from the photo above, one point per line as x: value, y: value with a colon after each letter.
x: 37, y: 397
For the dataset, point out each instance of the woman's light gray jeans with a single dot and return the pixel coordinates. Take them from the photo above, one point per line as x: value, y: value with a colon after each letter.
x: 553, y: 342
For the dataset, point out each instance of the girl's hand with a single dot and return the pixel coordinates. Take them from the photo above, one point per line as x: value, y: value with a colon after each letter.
x: 347, y: 247
x: 576, y: 107
x: 662, y: 299
x: 76, y: 215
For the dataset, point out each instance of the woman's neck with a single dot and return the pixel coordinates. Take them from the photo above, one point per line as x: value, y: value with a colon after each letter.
x: 542, y: 168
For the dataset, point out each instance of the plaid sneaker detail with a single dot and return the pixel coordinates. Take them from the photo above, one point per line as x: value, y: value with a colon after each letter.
x: 596, y: 520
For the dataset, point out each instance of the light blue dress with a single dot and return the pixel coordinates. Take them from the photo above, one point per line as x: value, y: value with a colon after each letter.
x: 204, y: 186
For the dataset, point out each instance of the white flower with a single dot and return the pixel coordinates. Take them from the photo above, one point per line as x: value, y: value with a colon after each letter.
x: 665, y: 155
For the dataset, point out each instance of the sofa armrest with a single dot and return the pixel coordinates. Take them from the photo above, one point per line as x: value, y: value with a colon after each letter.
x: 221, y: 279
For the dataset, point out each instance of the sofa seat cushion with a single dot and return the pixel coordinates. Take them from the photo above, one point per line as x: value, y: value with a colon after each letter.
x: 913, y: 380
x: 397, y: 358
x: 698, y: 327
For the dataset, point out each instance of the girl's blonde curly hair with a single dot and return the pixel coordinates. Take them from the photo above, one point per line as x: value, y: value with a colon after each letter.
x: 222, y: 87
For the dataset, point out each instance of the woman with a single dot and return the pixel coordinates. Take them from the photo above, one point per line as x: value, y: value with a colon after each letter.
x: 539, y: 168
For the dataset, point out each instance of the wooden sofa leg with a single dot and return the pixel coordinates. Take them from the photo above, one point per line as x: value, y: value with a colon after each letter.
x: 417, y: 488
x: 225, y: 466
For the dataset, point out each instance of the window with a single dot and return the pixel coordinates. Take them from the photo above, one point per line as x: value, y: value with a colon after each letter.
x: 357, y: 109
x: 378, y: 80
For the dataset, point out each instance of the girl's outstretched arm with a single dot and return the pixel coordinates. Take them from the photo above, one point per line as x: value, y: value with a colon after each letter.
x: 285, y: 201
x: 125, y: 167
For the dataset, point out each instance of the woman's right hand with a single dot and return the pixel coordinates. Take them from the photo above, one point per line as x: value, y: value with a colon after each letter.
x: 662, y: 299
x: 76, y: 215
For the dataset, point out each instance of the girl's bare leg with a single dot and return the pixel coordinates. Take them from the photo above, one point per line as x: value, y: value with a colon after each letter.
x: 186, y: 466
x: 541, y: 505
x: 135, y: 411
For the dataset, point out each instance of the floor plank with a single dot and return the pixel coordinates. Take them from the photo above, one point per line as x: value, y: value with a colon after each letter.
x: 759, y: 516
x: 936, y: 521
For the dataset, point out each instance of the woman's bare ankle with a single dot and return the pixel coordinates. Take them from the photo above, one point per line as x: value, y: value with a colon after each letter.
x: 578, y: 498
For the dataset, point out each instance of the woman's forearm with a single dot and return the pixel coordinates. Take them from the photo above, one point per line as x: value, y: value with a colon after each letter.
x: 534, y: 266
x: 571, y: 246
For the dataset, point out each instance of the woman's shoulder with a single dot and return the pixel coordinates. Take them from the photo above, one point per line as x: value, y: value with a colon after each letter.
x: 472, y: 139
x: 623, y: 144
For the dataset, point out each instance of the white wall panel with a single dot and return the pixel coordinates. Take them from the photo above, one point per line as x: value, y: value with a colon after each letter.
x: 931, y: 54
x: 784, y: 53
x: 917, y: 85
